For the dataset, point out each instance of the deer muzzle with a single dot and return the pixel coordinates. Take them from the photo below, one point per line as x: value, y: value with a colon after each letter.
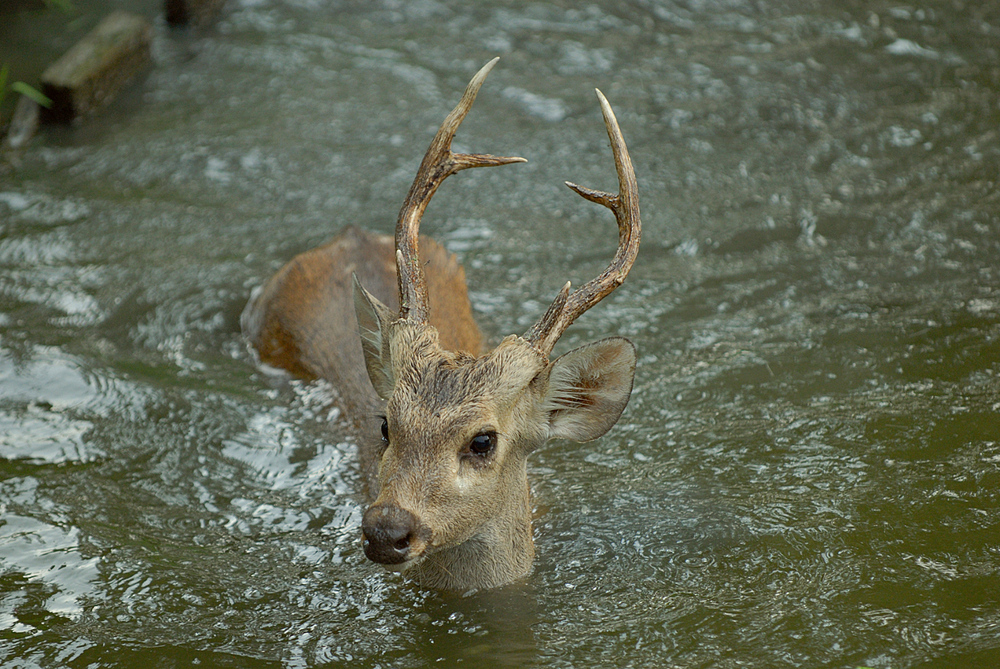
x: 393, y: 535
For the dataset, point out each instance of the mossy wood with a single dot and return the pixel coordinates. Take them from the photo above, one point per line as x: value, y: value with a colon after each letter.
x: 97, y: 67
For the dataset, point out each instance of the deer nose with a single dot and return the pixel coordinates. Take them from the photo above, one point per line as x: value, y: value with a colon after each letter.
x: 391, y: 534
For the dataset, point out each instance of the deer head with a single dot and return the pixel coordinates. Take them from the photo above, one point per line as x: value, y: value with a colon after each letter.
x: 452, y: 502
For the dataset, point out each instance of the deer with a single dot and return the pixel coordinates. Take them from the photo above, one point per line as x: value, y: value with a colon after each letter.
x: 446, y: 424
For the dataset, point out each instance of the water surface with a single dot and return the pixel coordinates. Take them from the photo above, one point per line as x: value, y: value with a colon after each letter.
x: 807, y: 474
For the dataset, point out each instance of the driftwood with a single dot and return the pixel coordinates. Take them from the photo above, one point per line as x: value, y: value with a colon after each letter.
x: 97, y: 67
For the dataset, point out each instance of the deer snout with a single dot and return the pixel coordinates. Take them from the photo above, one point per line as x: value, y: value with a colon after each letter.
x: 392, y: 535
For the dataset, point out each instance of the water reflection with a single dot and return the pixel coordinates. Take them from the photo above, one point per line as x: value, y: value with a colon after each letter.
x: 46, y: 574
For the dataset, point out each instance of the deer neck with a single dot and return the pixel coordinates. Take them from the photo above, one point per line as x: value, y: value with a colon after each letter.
x: 501, y: 552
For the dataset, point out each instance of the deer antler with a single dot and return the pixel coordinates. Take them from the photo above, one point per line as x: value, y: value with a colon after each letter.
x: 567, y: 307
x: 438, y: 164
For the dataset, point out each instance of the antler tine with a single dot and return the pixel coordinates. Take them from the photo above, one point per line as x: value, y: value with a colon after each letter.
x: 438, y: 164
x: 567, y: 307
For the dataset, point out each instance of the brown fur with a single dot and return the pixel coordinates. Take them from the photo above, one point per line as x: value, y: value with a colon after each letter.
x: 479, y: 512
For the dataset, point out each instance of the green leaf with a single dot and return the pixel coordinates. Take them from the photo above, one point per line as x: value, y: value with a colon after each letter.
x: 31, y: 93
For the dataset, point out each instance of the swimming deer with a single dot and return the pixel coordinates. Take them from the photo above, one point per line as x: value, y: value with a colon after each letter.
x: 446, y: 468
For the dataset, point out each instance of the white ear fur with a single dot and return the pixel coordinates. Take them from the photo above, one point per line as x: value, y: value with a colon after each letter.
x: 589, y: 388
x: 373, y: 322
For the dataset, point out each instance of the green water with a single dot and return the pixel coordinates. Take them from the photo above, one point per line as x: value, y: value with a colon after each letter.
x: 808, y: 473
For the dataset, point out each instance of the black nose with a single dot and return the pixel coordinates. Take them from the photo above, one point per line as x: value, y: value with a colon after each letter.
x: 390, y: 533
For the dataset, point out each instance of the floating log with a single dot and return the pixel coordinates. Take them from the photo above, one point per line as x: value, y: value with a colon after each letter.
x: 192, y: 12
x: 92, y: 72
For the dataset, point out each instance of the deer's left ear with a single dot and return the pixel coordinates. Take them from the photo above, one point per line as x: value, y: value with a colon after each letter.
x: 589, y: 388
x: 373, y: 322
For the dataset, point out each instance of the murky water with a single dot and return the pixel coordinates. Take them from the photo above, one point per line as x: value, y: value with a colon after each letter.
x: 808, y: 473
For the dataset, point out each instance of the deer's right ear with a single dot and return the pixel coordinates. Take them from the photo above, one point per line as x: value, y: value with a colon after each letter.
x: 373, y: 327
x: 589, y: 388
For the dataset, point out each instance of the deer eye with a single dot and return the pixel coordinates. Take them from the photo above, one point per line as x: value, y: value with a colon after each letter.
x: 385, y: 430
x: 483, y: 444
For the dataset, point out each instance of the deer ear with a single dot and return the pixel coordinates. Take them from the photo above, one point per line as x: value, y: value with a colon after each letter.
x: 373, y: 327
x: 589, y: 388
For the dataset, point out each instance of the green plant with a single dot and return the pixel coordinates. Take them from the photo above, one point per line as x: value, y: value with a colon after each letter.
x: 20, y: 87
x: 31, y: 92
